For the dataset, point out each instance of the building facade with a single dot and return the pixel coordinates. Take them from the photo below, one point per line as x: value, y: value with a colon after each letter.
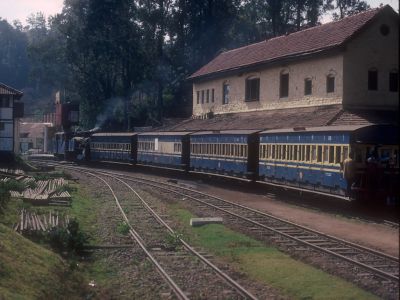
x: 352, y: 63
x: 10, y: 110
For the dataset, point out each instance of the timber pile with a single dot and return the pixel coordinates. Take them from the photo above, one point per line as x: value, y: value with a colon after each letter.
x: 46, y: 192
x: 31, y: 222
x: 12, y: 171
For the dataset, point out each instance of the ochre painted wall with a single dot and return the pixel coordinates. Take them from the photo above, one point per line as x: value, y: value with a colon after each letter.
x: 371, y: 49
x: 316, y: 68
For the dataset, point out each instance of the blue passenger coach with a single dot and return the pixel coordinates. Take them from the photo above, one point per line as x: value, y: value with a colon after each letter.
x: 108, y: 146
x: 312, y: 158
x: 230, y: 152
x: 164, y: 149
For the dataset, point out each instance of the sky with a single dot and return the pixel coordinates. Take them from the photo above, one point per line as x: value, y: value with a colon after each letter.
x: 20, y: 9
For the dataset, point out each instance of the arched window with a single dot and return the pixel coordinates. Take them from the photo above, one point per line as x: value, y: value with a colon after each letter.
x: 225, y: 92
x: 373, y: 79
x: 252, y: 89
x: 394, y: 81
x: 330, y: 83
x: 307, y: 86
x: 284, y: 84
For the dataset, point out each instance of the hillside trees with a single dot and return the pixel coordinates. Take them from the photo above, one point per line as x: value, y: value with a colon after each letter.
x: 128, y: 60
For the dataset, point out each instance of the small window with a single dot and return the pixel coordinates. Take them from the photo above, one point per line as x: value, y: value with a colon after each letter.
x: 373, y: 79
x: 198, y: 97
x: 252, y: 89
x: 393, y: 81
x: 308, y: 149
x: 208, y: 96
x: 284, y: 86
x: 202, y: 96
x: 295, y: 152
x: 314, y: 153
x: 273, y: 152
x: 212, y: 95
x: 225, y: 93
x: 384, y: 29
x: 330, y: 84
x: 307, y: 86
x: 284, y: 152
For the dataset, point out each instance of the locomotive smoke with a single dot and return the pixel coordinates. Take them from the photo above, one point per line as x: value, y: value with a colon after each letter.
x: 114, y: 109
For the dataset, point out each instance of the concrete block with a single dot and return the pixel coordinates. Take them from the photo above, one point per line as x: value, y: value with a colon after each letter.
x: 204, y: 221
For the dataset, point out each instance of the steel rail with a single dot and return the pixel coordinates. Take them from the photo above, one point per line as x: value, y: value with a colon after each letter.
x: 177, y: 290
x: 242, y: 291
x: 225, y: 276
x: 350, y: 244
x: 372, y: 251
x: 372, y: 269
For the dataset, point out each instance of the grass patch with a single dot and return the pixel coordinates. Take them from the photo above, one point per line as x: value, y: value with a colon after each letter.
x: 267, y: 264
x: 29, y: 271
x: 123, y: 228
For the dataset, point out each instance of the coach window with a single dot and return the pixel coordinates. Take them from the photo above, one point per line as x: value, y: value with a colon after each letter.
x: 212, y: 95
x: 345, y: 153
x: 307, y: 86
x: 330, y: 83
x: 208, y: 96
x: 202, y: 97
x: 252, y: 89
x: 284, y: 85
x: 225, y: 93
x: 373, y: 79
x: 319, y: 153
x: 295, y: 148
x: 273, y: 152
x: 284, y: 152
x: 394, y: 81
x: 326, y: 154
x: 198, y: 97
x: 331, y: 154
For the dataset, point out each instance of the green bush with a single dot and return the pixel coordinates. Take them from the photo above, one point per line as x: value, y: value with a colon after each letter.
x: 70, y: 239
x: 5, y: 188
x: 123, y: 228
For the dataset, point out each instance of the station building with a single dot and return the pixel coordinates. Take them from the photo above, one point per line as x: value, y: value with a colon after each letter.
x: 339, y: 73
x: 11, y: 109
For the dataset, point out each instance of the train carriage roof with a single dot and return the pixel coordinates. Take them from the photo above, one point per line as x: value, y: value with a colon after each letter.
x: 365, y: 134
x: 164, y: 133
x: 227, y: 132
x: 115, y: 134
x: 345, y: 128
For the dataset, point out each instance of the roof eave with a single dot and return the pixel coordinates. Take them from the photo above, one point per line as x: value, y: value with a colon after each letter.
x: 221, y: 73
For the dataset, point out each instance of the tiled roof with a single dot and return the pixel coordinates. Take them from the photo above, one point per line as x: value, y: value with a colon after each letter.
x: 6, y: 90
x: 262, y: 120
x: 365, y: 117
x: 300, y: 43
x: 331, y: 115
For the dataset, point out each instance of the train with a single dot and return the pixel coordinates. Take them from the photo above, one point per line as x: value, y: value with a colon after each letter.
x: 304, y: 159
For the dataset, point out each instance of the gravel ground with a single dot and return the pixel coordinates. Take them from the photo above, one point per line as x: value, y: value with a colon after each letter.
x: 189, y: 272
x: 322, y: 261
x: 134, y: 276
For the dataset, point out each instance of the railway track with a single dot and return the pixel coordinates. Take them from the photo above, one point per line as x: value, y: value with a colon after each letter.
x: 367, y: 263
x: 175, y: 265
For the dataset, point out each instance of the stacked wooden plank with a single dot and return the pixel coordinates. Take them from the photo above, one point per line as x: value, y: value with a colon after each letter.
x: 45, y: 192
x: 12, y: 171
x: 31, y: 221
